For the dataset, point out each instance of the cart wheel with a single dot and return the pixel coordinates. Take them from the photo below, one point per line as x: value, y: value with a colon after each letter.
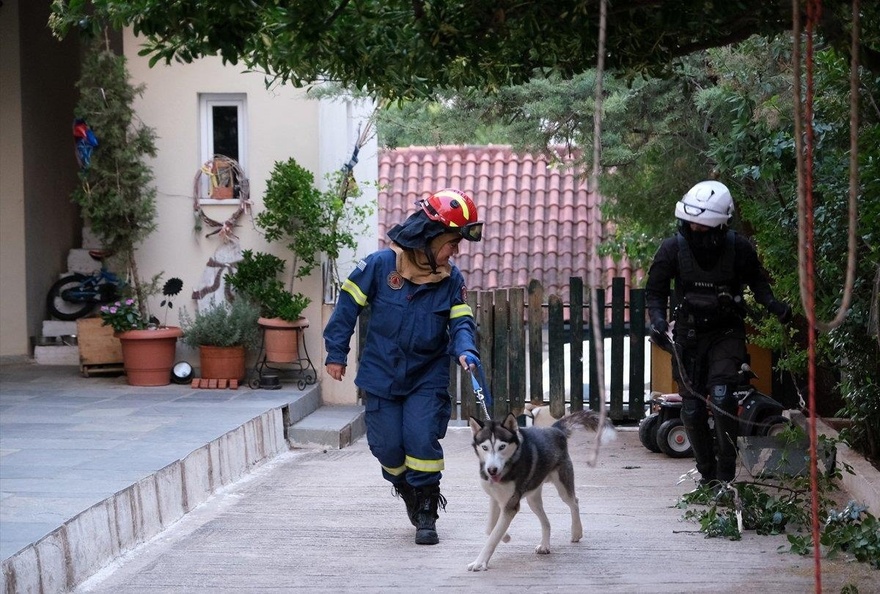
x: 648, y: 432
x: 773, y: 425
x: 254, y: 383
x: 673, y: 440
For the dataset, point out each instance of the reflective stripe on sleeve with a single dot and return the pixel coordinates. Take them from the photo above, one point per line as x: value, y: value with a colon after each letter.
x: 459, y: 311
x: 355, y: 291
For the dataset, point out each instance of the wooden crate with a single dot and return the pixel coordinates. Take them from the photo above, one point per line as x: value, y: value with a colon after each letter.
x: 99, y: 350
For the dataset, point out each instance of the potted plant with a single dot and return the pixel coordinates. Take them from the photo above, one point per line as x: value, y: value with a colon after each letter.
x: 309, y: 222
x: 148, y: 348
x: 257, y: 277
x: 223, y: 334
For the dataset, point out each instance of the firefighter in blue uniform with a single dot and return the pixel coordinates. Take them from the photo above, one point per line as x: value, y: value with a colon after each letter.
x: 710, y: 265
x: 418, y: 319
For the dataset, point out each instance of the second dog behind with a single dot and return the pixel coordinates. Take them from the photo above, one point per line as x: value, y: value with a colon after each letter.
x: 516, y: 462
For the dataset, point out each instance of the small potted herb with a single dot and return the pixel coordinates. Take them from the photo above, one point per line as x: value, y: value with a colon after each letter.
x: 223, y: 333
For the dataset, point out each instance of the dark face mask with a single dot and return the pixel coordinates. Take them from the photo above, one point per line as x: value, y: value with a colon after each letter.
x: 706, y: 245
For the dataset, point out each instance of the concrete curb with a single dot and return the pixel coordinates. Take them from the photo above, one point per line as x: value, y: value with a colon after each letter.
x: 863, y: 484
x: 95, y: 537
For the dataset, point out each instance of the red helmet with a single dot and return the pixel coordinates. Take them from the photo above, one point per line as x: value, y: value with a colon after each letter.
x: 454, y: 210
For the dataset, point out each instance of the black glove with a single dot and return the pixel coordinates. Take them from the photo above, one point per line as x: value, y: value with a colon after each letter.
x: 658, y: 332
x: 781, y: 310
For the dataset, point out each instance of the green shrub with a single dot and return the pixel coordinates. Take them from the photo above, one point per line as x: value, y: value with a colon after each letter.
x: 256, y: 277
x: 222, y: 325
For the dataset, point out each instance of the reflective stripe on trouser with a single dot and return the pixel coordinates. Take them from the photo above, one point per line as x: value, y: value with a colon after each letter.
x: 404, y: 435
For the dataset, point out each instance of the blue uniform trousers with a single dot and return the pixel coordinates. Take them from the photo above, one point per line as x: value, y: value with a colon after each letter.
x: 404, y: 434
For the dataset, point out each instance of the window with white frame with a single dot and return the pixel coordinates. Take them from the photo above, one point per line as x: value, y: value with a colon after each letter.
x: 223, y: 122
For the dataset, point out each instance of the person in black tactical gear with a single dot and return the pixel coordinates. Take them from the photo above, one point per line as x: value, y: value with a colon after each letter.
x: 710, y: 265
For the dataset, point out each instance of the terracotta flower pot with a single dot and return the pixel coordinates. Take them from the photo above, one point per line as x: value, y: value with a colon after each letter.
x: 281, y: 339
x: 222, y: 362
x: 148, y: 355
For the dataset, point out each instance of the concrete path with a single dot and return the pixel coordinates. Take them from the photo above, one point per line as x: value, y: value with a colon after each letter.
x: 324, y: 521
x: 91, y: 468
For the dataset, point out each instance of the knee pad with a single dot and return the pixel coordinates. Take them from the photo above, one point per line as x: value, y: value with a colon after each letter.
x: 723, y: 398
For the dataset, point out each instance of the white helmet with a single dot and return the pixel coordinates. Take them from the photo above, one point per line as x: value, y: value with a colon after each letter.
x: 708, y: 203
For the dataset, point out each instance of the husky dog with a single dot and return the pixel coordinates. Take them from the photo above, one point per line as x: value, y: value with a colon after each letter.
x: 516, y: 462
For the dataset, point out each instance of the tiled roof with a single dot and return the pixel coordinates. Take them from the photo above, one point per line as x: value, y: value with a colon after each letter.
x: 538, y: 218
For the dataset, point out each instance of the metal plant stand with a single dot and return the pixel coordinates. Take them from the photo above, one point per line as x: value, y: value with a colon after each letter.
x: 267, y: 374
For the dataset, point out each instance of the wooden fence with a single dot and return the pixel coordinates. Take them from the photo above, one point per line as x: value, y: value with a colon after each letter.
x: 517, y: 327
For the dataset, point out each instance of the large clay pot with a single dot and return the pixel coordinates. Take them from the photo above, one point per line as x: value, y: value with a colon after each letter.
x: 281, y: 339
x: 148, y: 355
x: 221, y: 362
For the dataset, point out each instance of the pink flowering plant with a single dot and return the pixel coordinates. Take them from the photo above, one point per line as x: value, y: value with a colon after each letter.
x: 123, y: 315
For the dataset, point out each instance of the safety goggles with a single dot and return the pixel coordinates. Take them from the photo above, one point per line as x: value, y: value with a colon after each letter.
x: 472, y: 231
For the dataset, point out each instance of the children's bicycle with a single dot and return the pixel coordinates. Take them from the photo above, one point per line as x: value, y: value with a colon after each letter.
x: 75, y: 295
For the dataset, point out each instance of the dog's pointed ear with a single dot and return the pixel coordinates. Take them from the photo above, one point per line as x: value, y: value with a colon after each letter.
x: 510, y: 423
x: 476, y: 425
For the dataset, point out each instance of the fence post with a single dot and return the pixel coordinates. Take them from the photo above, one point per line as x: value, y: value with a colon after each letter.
x: 618, y: 311
x: 576, y: 342
x: 536, y: 342
x: 637, y: 353
x: 500, y: 389
x: 556, y: 357
x: 594, y: 365
x: 516, y: 370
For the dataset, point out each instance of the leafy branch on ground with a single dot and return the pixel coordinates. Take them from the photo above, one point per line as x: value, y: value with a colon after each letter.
x: 781, y: 505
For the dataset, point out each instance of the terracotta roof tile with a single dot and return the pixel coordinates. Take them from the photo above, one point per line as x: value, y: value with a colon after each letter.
x: 539, y: 219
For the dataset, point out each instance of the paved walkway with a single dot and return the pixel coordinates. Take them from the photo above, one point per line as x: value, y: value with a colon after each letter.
x: 70, y: 444
x: 322, y: 520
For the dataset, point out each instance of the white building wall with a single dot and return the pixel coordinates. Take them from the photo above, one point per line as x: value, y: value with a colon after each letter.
x: 282, y: 122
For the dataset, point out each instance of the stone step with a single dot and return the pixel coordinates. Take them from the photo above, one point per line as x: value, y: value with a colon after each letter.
x: 56, y: 354
x: 334, y: 427
x: 58, y: 328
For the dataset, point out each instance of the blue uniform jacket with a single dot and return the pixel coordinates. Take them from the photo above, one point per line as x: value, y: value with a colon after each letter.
x: 413, y: 329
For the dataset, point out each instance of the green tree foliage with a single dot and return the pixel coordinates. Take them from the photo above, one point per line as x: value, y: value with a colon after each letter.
x: 726, y: 113
x: 410, y: 48
x: 116, y: 193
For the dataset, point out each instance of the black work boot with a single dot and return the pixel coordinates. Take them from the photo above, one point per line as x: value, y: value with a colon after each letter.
x: 406, y: 492
x: 428, y: 499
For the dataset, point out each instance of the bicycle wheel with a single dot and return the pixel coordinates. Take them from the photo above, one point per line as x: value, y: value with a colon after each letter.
x: 65, y: 310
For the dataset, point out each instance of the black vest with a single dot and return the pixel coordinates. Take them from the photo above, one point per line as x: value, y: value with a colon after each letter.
x: 707, y: 297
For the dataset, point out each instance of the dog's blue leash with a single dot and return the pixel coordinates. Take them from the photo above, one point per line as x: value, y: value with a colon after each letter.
x: 478, y: 389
